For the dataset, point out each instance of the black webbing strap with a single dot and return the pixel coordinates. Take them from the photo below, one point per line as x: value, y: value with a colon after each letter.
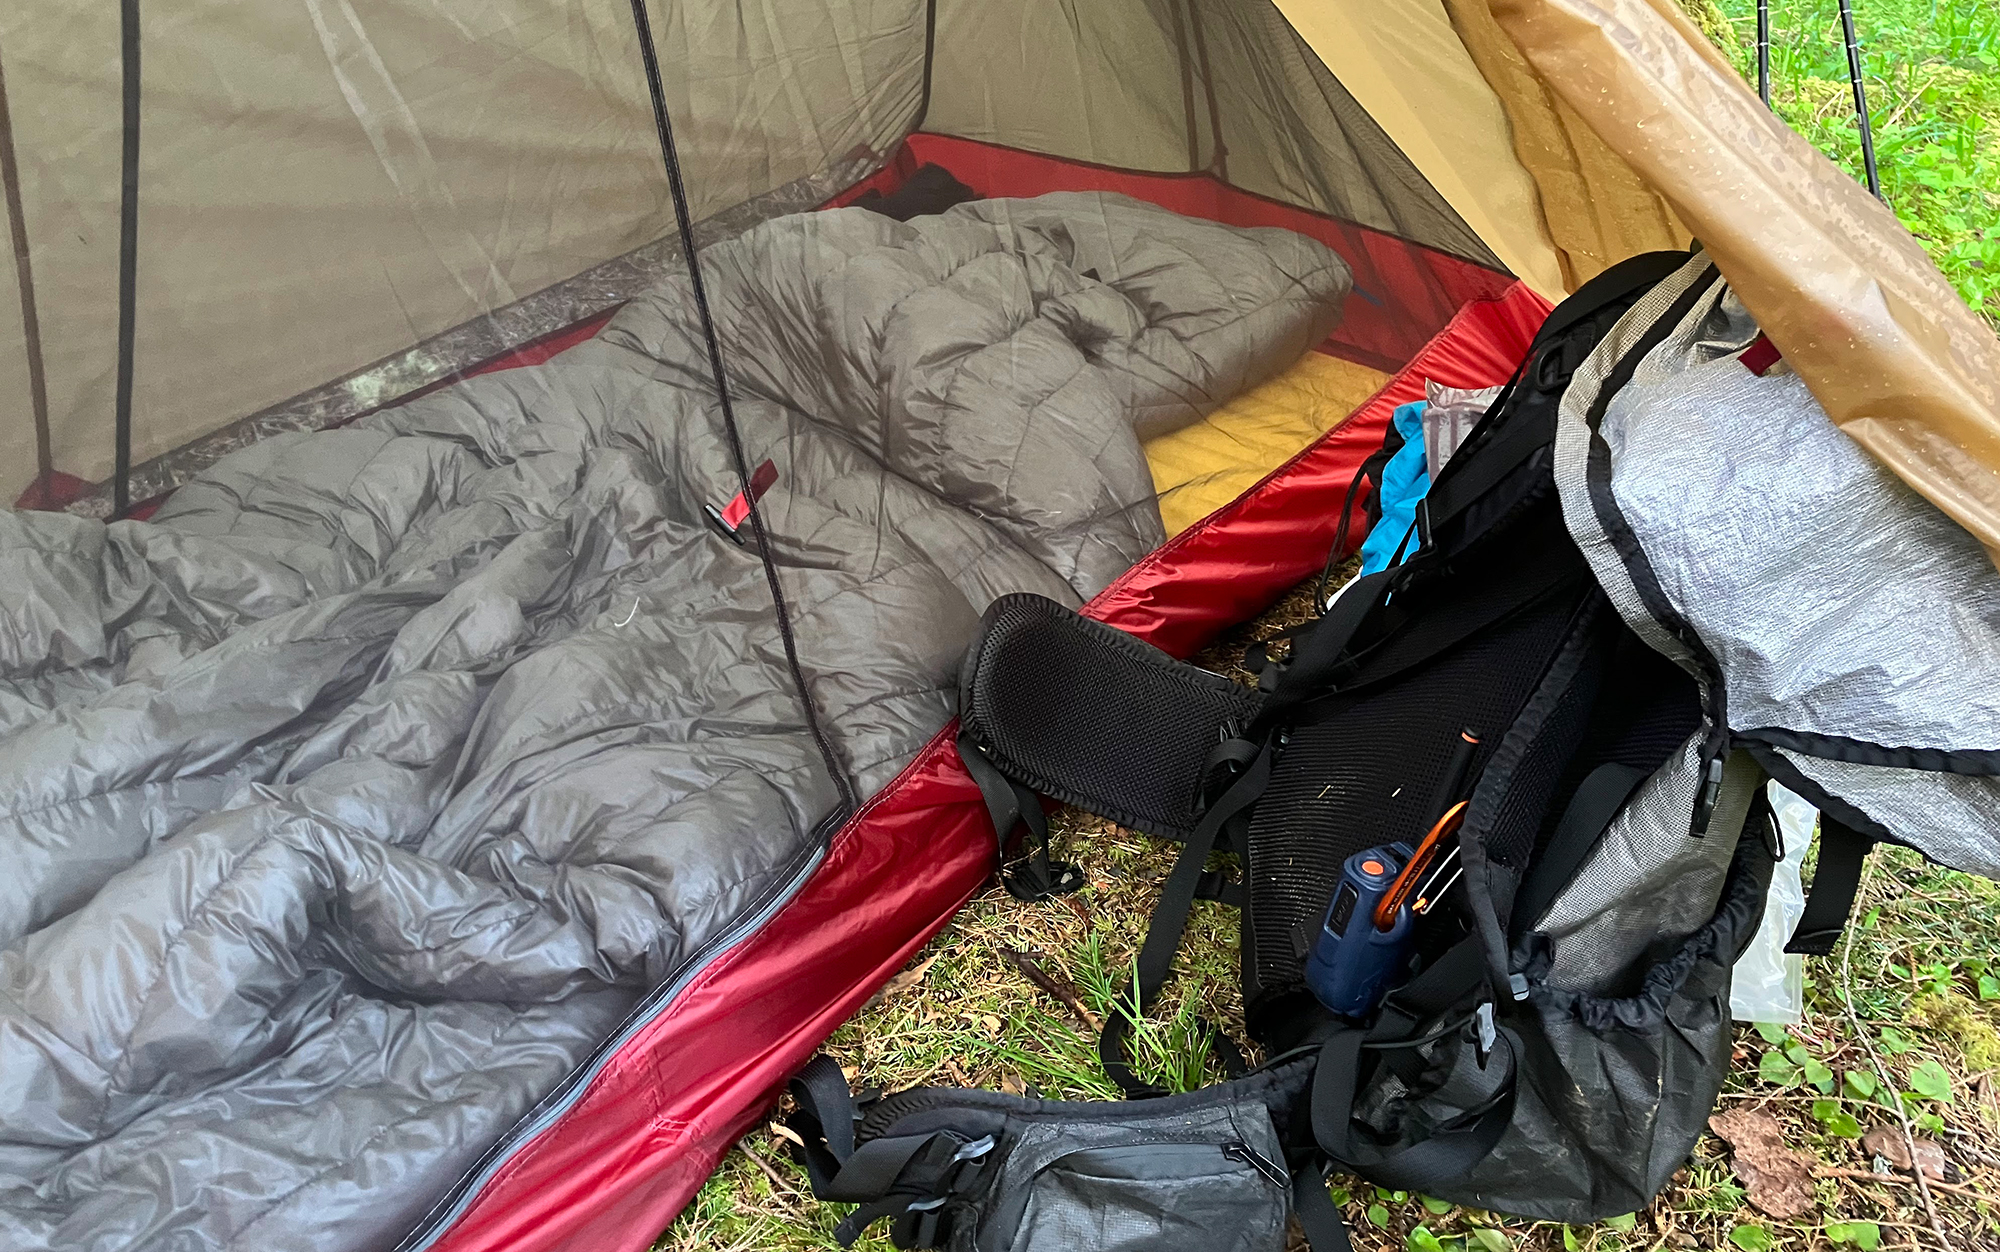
x: 1522, y: 593
x: 879, y: 1165
x: 1843, y: 851
x: 1597, y: 800
x: 1453, y: 494
x: 1465, y: 479
x: 894, y: 1175
x: 825, y: 1119
x: 1010, y: 804
x: 1319, y: 654
x: 1258, y: 660
x: 1163, y: 933
x: 1220, y: 887
x: 1372, y: 467
x: 908, y: 1177
x: 1319, y: 1217
x: 1453, y: 1148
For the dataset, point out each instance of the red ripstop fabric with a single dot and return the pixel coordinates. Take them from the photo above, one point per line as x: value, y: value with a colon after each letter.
x: 654, y: 1122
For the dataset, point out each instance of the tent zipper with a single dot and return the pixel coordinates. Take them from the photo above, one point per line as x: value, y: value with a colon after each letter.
x: 567, y: 1093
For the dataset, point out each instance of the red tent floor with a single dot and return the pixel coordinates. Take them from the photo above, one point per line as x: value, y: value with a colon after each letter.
x: 653, y: 1121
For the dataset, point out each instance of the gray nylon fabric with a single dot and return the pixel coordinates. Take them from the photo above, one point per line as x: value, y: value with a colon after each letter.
x: 1167, y: 1186
x: 1835, y: 601
x: 356, y: 796
x: 1647, y: 881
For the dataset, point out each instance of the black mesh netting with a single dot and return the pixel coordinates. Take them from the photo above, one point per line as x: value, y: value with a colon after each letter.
x: 1364, y: 769
x: 1094, y: 717
x: 1642, y: 709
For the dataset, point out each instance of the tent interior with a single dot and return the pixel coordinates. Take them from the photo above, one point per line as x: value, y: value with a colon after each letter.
x: 426, y: 683
x: 502, y: 179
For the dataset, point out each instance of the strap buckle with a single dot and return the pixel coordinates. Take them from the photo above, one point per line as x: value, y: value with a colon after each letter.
x: 1711, y: 795
x: 1486, y: 1034
x: 1038, y: 877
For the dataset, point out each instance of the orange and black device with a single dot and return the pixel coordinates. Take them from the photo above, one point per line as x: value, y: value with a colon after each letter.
x: 1450, y: 807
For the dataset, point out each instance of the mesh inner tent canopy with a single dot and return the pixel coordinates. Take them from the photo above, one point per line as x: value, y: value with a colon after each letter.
x: 505, y: 181
x: 428, y: 680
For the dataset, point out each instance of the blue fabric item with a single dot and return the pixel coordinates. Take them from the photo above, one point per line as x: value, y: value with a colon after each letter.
x: 1404, y: 482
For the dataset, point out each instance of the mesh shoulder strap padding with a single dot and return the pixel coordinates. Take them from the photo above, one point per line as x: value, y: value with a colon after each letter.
x: 1093, y: 717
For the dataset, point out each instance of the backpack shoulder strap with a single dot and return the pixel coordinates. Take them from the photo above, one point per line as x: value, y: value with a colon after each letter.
x: 1596, y: 801
x: 1169, y: 922
x: 1080, y: 711
x: 1843, y: 852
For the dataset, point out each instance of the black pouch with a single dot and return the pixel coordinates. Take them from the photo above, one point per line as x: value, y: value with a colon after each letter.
x: 979, y: 1171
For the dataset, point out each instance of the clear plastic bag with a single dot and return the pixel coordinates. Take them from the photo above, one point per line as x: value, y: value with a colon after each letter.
x: 1768, y: 985
x: 1449, y: 416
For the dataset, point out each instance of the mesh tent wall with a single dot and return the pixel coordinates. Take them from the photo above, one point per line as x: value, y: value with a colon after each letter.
x: 478, y: 162
x: 476, y: 155
x: 239, y: 151
x: 342, y: 208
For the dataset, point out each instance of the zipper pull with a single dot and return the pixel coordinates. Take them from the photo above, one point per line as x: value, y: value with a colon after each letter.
x: 1237, y: 1150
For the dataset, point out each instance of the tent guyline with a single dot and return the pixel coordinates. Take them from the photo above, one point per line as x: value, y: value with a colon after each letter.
x: 684, y: 222
x: 128, y: 251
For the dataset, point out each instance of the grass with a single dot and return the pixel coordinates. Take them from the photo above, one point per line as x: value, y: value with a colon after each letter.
x: 1919, y: 970
x: 971, y: 1017
x: 1932, y: 73
x: 1924, y: 984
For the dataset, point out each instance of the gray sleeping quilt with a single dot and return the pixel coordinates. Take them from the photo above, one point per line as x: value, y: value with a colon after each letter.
x: 351, y: 800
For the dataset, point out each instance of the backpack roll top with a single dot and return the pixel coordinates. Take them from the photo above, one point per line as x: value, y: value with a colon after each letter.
x: 1848, y: 632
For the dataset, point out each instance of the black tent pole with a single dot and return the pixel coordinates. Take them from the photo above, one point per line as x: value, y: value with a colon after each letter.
x: 1860, y: 98
x: 128, y: 258
x: 1764, y: 52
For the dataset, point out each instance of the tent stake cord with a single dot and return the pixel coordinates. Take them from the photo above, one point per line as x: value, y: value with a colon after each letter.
x: 683, y: 221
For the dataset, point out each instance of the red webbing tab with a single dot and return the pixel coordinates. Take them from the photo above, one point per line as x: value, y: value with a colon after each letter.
x: 739, y: 508
x: 1760, y: 356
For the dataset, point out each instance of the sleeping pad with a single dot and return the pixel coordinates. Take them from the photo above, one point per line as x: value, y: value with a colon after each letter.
x: 351, y: 800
